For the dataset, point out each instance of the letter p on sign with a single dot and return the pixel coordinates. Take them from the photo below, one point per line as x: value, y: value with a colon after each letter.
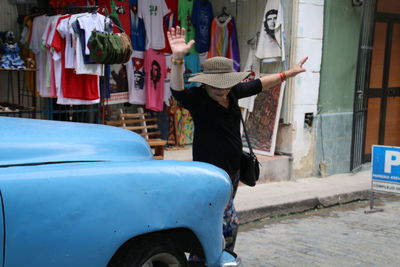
x: 392, y: 158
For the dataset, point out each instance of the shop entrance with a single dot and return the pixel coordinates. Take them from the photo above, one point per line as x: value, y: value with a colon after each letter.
x: 383, y: 113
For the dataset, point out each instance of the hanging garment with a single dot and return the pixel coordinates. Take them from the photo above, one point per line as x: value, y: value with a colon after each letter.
x: 202, y: 17
x: 82, y: 87
x: 27, y: 54
x: 136, y: 78
x: 270, y: 42
x: 138, y: 31
x: 170, y: 20
x: 48, y: 89
x: 155, y: 69
x: 252, y: 66
x: 35, y: 44
x: 224, y: 41
x: 119, y: 11
x: 185, y: 9
x: 192, y: 66
x: 152, y: 12
x: 167, y: 82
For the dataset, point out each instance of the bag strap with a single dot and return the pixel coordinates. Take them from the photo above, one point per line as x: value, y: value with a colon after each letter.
x: 245, y: 133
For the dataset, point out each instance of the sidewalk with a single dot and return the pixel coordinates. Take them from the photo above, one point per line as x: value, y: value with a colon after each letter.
x: 280, y: 198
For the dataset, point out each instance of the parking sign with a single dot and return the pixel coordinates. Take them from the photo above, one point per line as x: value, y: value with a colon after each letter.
x: 386, y: 169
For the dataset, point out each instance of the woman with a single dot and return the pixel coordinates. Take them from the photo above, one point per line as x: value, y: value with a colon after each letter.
x: 216, y: 114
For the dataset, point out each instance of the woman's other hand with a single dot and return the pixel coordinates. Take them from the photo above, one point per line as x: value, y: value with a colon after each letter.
x: 176, y: 37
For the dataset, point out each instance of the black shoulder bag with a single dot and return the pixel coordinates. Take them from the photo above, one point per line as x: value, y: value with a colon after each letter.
x: 249, y: 165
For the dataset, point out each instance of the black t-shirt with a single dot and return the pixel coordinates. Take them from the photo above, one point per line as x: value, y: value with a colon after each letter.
x: 217, y: 137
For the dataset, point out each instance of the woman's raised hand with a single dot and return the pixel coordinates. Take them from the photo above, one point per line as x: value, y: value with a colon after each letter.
x: 176, y: 38
x: 297, y: 68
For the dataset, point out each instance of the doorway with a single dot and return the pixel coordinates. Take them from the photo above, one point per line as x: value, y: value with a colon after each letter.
x: 383, y: 113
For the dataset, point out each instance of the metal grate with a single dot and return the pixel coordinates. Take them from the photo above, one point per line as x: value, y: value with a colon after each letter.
x: 362, y: 80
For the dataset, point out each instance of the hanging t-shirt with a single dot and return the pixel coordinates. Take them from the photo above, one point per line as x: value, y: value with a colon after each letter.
x: 136, y: 78
x: 152, y: 12
x: 252, y: 66
x: 138, y: 31
x: 192, y: 66
x: 155, y: 69
x: 170, y: 20
x: 173, y: 8
x: 49, y: 89
x: 89, y: 22
x: 119, y: 10
x: 167, y: 82
x: 35, y: 44
x: 269, y: 44
x: 202, y: 17
x: 185, y: 9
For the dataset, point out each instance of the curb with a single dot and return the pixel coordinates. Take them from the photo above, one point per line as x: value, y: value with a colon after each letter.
x: 247, y: 216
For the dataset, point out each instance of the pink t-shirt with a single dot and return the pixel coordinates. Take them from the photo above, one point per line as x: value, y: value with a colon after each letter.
x: 156, y: 72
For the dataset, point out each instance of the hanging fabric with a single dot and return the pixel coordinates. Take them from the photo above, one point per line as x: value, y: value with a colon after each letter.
x: 270, y: 45
x: 224, y: 41
x: 202, y: 17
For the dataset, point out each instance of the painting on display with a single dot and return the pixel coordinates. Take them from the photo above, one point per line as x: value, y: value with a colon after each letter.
x: 118, y: 85
x: 262, y: 123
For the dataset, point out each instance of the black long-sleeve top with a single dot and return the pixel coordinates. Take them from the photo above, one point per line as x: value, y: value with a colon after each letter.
x: 217, y: 137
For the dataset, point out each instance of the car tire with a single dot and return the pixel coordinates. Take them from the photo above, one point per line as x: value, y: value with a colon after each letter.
x: 148, y: 253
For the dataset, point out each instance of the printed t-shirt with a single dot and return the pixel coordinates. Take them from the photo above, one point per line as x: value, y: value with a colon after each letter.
x: 120, y: 10
x: 170, y: 20
x: 138, y: 31
x: 136, y: 78
x: 167, y: 82
x: 152, y: 12
x: 192, y: 66
x: 155, y: 69
x: 185, y: 9
x: 202, y: 17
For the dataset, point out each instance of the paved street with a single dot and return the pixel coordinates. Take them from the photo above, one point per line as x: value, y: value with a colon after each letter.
x: 339, y: 236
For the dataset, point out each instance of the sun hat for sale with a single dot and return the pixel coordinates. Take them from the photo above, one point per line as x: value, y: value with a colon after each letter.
x: 218, y: 72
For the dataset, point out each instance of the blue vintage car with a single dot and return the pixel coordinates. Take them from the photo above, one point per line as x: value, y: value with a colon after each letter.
x: 75, y: 194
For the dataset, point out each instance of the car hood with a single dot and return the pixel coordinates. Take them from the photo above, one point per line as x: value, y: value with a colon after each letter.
x: 33, y: 141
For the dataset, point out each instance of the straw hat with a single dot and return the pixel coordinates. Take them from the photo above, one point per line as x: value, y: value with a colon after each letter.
x: 218, y: 72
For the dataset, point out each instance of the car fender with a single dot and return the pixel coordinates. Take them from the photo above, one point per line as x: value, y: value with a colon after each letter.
x: 79, y: 214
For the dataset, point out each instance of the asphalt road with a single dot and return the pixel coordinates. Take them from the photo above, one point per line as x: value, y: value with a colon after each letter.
x: 339, y: 236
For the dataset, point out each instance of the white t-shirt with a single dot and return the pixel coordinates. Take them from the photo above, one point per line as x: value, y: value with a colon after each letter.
x: 152, y: 12
x: 167, y: 82
x: 38, y: 27
x: 47, y: 37
x: 136, y: 78
x: 252, y: 66
x: 88, y: 23
x: 66, y: 31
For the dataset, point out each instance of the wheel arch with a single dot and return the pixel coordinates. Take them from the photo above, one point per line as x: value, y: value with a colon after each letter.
x: 181, y: 238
